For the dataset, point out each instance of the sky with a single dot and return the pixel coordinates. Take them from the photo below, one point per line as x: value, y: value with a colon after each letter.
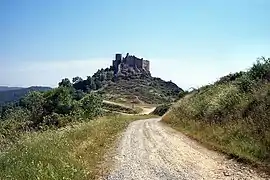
x: 192, y: 43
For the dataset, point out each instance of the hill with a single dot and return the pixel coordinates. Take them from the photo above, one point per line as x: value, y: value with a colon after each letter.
x: 128, y: 80
x: 231, y: 115
x: 6, y: 88
x: 141, y: 89
x: 14, y: 94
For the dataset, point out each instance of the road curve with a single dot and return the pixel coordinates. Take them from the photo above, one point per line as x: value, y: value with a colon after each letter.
x: 149, y: 150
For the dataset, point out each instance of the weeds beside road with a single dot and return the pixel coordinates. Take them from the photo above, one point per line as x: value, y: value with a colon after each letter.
x: 68, y: 153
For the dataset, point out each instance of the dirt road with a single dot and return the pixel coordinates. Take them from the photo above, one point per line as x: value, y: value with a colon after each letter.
x: 151, y: 150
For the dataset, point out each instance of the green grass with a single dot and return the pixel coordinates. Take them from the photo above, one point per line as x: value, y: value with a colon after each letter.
x: 229, y: 120
x: 69, y: 153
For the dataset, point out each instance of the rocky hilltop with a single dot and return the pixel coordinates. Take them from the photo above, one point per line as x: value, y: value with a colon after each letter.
x: 129, y: 79
x: 130, y: 65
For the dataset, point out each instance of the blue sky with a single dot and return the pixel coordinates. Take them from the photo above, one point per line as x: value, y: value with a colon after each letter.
x: 190, y: 42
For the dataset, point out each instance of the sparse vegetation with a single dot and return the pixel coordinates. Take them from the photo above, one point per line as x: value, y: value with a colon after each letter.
x: 141, y: 89
x: 232, y: 115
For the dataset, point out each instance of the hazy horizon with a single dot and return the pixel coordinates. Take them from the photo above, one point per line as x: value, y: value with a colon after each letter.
x: 191, y: 43
x: 83, y: 68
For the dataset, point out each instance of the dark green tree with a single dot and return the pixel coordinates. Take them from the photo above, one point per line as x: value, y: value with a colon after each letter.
x: 78, y: 95
x: 59, y: 100
x: 91, y: 105
x: 76, y: 79
x: 65, y: 83
x: 34, y: 103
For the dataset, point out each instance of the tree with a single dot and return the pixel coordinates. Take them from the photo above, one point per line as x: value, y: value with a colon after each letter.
x: 34, y: 102
x: 260, y: 70
x: 110, y: 75
x: 91, y: 85
x: 91, y: 104
x: 76, y: 79
x: 65, y: 83
x: 80, y: 85
x: 102, y: 76
x: 59, y: 100
x: 78, y: 95
x: 98, y: 84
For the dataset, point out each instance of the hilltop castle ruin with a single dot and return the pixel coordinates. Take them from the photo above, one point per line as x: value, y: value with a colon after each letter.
x: 131, y: 62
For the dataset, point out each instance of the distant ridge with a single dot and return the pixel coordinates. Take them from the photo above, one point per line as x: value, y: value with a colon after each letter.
x: 7, y: 88
x: 13, y: 94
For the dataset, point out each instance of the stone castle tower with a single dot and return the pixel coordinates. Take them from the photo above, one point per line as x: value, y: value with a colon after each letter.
x: 130, y: 61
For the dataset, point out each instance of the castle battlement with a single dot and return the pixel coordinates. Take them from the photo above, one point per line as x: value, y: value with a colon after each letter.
x: 130, y: 61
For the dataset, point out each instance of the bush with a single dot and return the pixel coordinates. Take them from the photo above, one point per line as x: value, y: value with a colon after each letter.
x: 162, y: 109
x: 91, y: 105
x: 230, y: 78
x: 51, y: 120
x: 59, y: 101
x: 260, y: 70
x: 245, y: 84
x: 34, y: 103
x: 182, y: 94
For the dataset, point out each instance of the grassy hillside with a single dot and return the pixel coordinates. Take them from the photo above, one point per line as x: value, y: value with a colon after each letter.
x: 141, y: 90
x: 232, y: 115
x: 74, y: 152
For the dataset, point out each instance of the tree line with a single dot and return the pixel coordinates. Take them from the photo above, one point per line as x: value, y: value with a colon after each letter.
x: 69, y: 102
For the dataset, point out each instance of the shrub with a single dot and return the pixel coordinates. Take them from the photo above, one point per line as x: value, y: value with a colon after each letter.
x: 230, y: 78
x: 162, y: 109
x: 245, y: 84
x: 34, y: 103
x: 182, y: 94
x: 59, y: 100
x: 260, y: 70
x: 91, y: 105
x: 49, y: 121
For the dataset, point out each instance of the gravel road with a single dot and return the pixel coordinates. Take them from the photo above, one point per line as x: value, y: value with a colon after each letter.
x: 151, y: 150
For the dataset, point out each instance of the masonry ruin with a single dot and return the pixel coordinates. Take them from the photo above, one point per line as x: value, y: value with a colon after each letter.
x: 130, y: 61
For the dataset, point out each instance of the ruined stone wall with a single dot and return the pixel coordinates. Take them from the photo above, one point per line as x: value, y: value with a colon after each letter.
x: 139, y: 63
x: 118, y: 57
x: 115, y: 66
x: 146, y: 65
x: 131, y: 61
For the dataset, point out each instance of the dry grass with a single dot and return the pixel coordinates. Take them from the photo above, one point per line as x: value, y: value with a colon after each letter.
x: 224, y: 118
x: 70, y: 153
